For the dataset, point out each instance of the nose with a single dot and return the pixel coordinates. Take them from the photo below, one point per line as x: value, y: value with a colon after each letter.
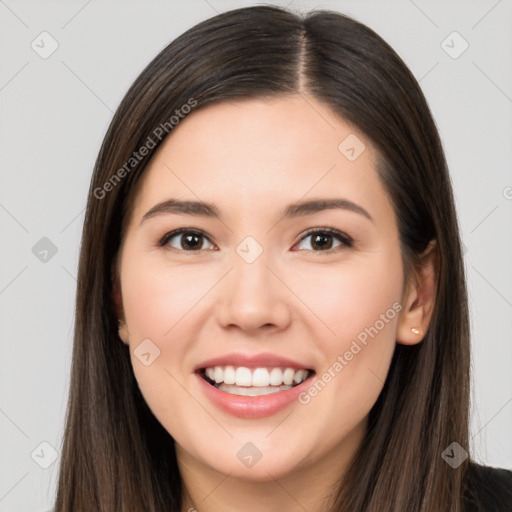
x: 253, y: 296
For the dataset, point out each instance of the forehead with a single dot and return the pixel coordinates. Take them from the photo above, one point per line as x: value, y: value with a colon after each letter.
x: 257, y: 154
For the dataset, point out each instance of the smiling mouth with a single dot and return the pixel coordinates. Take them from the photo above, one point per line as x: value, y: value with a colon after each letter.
x: 245, y: 381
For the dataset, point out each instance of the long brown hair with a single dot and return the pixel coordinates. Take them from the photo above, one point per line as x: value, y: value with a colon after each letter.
x: 116, y: 456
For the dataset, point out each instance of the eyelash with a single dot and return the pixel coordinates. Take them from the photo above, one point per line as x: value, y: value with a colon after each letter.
x: 342, y: 237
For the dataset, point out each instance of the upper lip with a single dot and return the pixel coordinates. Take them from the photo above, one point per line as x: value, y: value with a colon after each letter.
x: 263, y: 360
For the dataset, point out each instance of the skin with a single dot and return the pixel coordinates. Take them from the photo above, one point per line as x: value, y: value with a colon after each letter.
x: 252, y: 158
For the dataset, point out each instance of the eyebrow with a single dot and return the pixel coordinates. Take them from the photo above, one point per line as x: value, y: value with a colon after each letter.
x: 203, y: 209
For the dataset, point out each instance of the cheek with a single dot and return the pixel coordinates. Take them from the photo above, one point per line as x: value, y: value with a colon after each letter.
x: 356, y: 312
x: 156, y: 297
x: 156, y: 300
x: 346, y: 299
x: 158, y: 303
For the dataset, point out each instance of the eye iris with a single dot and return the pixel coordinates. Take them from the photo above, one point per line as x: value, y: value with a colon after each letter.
x: 322, y: 244
x: 190, y: 241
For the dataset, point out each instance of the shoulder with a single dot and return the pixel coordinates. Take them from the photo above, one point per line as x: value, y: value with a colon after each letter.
x: 487, y: 489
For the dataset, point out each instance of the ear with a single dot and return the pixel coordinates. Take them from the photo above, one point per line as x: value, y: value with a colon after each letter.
x: 118, y: 304
x: 419, y: 298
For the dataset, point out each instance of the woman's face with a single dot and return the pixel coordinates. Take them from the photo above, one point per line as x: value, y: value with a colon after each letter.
x: 259, y: 294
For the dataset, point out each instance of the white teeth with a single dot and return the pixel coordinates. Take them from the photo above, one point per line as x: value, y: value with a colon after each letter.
x: 276, y: 377
x: 260, y: 377
x: 288, y: 376
x: 256, y: 377
x: 229, y: 375
x: 300, y: 376
x: 243, y: 376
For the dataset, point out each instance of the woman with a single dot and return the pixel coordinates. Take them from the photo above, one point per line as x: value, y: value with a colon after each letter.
x: 313, y: 352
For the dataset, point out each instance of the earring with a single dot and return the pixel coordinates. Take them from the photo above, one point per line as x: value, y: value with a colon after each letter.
x: 416, y: 331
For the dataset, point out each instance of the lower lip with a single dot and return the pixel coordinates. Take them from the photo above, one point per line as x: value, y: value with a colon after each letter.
x: 253, y: 406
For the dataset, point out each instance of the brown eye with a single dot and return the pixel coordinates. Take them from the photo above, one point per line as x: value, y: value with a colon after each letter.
x: 322, y: 240
x: 187, y: 240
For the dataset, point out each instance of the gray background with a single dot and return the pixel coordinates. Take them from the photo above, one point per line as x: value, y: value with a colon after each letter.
x: 54, y: 114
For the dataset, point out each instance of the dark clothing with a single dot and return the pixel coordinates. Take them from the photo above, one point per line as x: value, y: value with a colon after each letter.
x: 487, y: 489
